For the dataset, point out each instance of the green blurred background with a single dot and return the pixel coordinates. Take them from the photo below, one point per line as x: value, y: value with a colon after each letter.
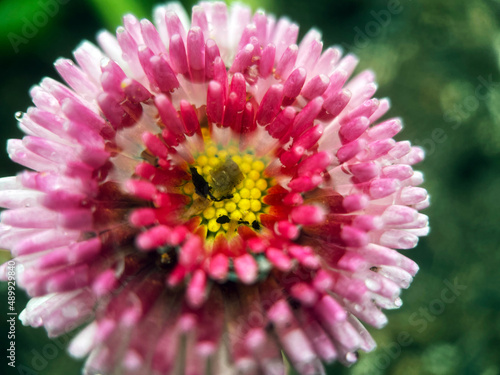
x: 439, y: 63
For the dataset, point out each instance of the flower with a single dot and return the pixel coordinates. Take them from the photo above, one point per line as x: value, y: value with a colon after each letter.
x: 209, y: 194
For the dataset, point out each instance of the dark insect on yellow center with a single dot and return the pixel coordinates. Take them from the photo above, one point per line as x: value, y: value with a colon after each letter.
x: 226, y: 189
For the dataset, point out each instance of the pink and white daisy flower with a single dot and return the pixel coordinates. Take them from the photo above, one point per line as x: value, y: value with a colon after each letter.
x: 207, y: 195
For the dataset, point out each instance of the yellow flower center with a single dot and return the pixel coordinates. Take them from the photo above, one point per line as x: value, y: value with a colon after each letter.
x: 227, y: 189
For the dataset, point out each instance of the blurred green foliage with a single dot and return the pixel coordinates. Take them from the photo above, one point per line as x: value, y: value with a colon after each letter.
x: 432, y: 59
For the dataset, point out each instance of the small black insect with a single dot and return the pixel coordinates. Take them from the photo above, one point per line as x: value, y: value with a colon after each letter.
x: 168, y: 255
x: 255, y: 225
x: 200, y: 185
x: 241, y: 221
x: 224, y: 219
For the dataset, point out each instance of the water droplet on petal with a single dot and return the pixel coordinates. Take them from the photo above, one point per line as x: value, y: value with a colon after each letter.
x: 351, y: 357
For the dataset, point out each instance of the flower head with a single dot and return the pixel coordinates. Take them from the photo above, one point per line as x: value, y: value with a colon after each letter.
x: 209, y: 194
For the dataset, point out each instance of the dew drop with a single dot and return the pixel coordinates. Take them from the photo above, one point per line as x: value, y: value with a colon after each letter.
x: 38, y: 321
x: 19, y: 115
x: 398, y: 302
x: 351, y: 357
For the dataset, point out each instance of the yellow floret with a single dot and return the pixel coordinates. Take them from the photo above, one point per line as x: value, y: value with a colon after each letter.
x: 250, y: 217
x: 220, y: 211
x: 213, y: 161
x: 253, y: 175
x: 236, y: 215
x: 245, y: 167
x: 213, y: 225
x: 255, y: 205
x: 258, y: 166
x: 211, y: 151
x: 255, y: 193
x: 248, y: 159
x: 236, y: 197
x: 245, y: 193
x: 202, y: 160
x: 206, y: 170
x: 261, y: 184
x: 188, y: 188
x: 249, y: 184
x: 244, y: 204
x: 230, y: 206
x: 209, y: 212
